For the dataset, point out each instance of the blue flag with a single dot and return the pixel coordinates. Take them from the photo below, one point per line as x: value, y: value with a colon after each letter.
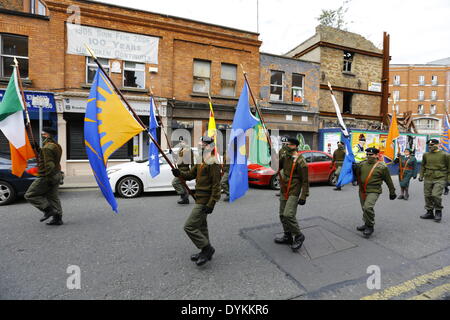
x: 153, y: 157
x: 445, y: 135
x: 243, y: 120
x: 346, y: 175
x: 108, y: 125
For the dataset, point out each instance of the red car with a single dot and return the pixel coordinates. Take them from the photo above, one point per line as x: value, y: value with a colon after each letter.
x: 318, y: 170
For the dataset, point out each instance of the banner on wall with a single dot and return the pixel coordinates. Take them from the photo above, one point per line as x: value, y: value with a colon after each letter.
x: 330, y: 140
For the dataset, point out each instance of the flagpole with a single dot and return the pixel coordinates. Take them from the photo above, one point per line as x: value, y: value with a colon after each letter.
x: 28, y: 125
x: 137, y: 117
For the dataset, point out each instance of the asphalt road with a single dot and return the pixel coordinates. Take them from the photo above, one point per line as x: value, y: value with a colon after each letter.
x: 143, y: 252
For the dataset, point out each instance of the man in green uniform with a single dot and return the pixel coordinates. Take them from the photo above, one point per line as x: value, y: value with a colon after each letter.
x: 225, y: 174
x: 207, y: 193
x: 282, y: 153
x: 370, y: 175
x: 435, y: 172
x: 338, y: 160
x: 294, y: 191
x: 407, y: 170
x: 43, y: 192
x: 184, y: 159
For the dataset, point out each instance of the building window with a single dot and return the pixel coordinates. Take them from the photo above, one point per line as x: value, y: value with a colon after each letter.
x: 348, y: 60
x: 426, y: 124
x: 134, y: 75
x: 420, y: 109
x: 228, y: 80
x: 276, y: 86
x: 202, y: 76
x: 421, y: 80
x: 397, y: 80
x: 13, y: 47
x: 42, y: 10
x: 396, y: 95
x: 421, y: 95
x: 297, y: 87
x: 434, y: 95
x: 434, y: 80
x: 91, y: 68
x: 396, y: 108
x: 347, y: 105
x: 433, y: 109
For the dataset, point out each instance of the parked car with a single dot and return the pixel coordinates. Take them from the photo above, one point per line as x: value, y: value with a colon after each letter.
x: 318, y: 170
x: 12, y: 187
x: 130, y: 180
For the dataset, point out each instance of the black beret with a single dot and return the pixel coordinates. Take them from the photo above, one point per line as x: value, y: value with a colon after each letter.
x: 284, y: 139
x: 373, y: 150
x: 207, y: 140
x: 180, y: 138
x: 293, y: 141
x: 433, y: 141
x: 49, y: 130
x: 362, y: 138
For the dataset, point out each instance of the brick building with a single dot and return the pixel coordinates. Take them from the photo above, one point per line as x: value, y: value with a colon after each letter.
x: 179, y: 59
x: 422, y: 89
x: 289, y: 92
x: 354, y: 67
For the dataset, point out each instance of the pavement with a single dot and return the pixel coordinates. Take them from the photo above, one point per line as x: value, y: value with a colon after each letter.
x: 143, y: 253
x: 79, y: 182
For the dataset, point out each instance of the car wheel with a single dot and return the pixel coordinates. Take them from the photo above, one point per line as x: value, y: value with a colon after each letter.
x: 275, y: 182
x: 7, y: 193
x: 332, y: 180
x: 129, y: 187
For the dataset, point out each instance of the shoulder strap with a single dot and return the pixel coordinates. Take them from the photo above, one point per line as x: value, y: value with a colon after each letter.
x: 370, y: 176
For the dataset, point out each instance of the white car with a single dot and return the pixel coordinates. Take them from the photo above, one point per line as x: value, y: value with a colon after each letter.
x: 130, y: 180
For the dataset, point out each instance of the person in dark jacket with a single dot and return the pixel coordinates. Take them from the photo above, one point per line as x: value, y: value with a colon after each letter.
x: 407, y: 164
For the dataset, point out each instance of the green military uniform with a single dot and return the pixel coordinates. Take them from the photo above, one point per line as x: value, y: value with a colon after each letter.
x: 407, y: 170
x: 224, y: 181
x: 294, y: 187
x: 281, y: 154
x: 369, y: 195
x: 338, y: 159
x: 184, y: 160
x: 435, y: 172
x: 207, y: 193
x: 43, y: 192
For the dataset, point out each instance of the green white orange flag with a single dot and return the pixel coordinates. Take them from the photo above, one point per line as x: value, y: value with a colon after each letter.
x: 389, y: 151
x: 13, y: 127
x: 212, y: 129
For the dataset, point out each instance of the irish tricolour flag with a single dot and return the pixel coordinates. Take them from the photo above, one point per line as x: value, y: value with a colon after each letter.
x: 13, y: 127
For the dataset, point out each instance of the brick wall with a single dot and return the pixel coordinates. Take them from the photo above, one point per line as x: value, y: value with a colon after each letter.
x: 15, y: 5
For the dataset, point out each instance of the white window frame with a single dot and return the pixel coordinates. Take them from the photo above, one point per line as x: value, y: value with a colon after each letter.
x: 426, y: 123
x: 300, y: 89
x: 434, y: 80
x: 348, y: 62
x: 420, y: 109
x: 421, y: 96
x: 125, y: 68
x: 421, y: 80
x: 12, y: 56
x: 41, y: 6
x: 434, y: 95
x: 206, y: 80
x: 397, y: 80
x: 396, y: 95
x: 277, y: 85
x: 93, y: 64
x: 222, y: 79
x: 433, y: 109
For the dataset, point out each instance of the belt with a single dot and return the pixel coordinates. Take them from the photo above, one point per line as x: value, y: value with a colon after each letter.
x: 203, y: 192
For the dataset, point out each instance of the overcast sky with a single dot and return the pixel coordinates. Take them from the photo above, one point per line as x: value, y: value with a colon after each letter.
x: 419, y: 30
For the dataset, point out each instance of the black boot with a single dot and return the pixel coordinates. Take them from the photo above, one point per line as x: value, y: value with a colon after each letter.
x: 402, y: 196
x: 438, y: 215
x: 368, y: 231
x: 297, y: 242
x: 406, y: 193
x: 184, y: 199
x: 285, y: 239
x: 205, y: 255
x: 337, y: 189
x: 56, y: 221
x: 446, y: 191
x: 428, y: 215
x: 48, y: 212
x: 361, y: 228
x: 195, y: 256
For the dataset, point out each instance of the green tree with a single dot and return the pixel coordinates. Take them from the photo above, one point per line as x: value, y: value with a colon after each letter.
x: 335, y: 18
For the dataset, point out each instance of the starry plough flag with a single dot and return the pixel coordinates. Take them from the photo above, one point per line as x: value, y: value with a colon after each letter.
x: 153, y: 156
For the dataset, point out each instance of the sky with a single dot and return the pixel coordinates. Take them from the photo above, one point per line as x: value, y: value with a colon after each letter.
x: 419, y: 30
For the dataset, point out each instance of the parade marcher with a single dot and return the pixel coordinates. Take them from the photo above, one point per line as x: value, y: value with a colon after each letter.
x: 435, y: 172
x: 370, y: 175
x: 358, y: 152
x: 407, y: 170
x: 294, y: 191
x: 207, y: 193
x: 338, y: 160
x: 184, y: 160
x: 225, y: 174
x: 283, y: 151
x: 448, y: 182
x: 43, y: 192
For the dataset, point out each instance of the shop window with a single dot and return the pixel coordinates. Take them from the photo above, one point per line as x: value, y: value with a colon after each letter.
x: 228, y: 82
x: 297, y: 87
x: 134, y: 75
x: 348, y: 61
x: 202, y: 76
x: 91, y: 68
x: 11, y: 47
x: 347, y: 105
x: 276, y: 86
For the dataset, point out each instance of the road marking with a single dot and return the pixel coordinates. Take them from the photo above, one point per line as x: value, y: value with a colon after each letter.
x: 408, y: 285
x: 434, y: 293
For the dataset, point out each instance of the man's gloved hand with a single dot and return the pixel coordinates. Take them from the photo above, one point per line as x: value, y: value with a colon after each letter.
x: 176, y: 172
x: 420, y: 179
x: 392, y: 196
x: 208, y: 210
x: 301, y: 202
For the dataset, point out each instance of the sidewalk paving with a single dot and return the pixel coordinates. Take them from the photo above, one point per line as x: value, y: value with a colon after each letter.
x: 79, y: 182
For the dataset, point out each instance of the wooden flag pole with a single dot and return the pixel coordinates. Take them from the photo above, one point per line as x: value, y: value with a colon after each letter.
x: 136, y: 117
